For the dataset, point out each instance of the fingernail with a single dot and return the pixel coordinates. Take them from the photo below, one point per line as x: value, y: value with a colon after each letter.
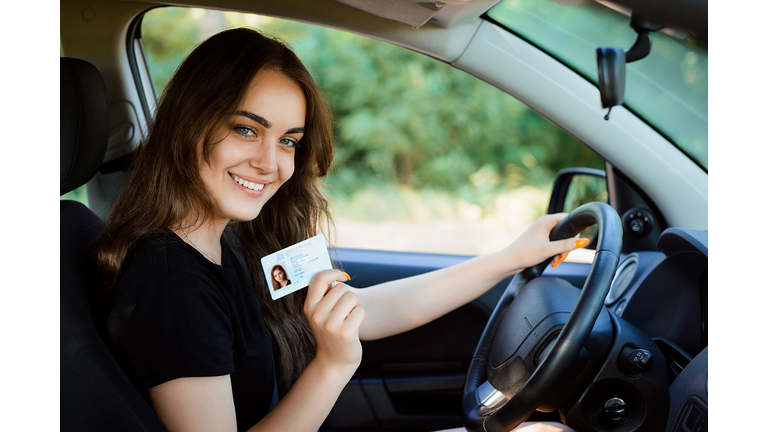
x: 580, y: 243
x: 345, y: 274
x: 557, y: 262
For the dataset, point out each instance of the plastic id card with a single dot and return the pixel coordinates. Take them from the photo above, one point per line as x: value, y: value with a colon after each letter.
x: 290, y: 269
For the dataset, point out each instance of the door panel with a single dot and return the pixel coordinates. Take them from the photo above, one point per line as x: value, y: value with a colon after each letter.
x: 414, y: 380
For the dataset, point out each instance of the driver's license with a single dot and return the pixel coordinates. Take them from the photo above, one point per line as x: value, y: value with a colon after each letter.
x: 290, y: 269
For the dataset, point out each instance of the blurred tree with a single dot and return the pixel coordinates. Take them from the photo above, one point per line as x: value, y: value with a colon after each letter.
x: 412, y: 119
x: 169, y: 35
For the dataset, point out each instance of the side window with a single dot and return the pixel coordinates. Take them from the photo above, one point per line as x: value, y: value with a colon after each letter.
x: 78, y: 194
x: 428, y: 158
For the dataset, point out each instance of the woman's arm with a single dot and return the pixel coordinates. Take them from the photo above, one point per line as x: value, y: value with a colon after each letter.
x: 334, y: 315
x: 206, y: 404
x: 401, y: 305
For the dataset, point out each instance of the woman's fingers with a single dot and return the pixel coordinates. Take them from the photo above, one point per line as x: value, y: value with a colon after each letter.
x: 558, y: 247
x: 558, y: 259
x: 351, y: 327
x: 555, y: 218
x: 328, y: 305
x: 337, y: 303
x: 320, y: 285
x: 335, y: 315
x: 569, y: 245
x: 343, y: 307
x: 534, y: 246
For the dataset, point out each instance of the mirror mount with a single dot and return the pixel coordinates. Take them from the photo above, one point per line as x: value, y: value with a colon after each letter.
x: 643, y: 27
x: 611, y: 62
x: 640, y: 49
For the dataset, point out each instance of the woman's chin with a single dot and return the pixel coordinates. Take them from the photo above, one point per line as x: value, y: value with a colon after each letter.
x: 244, y: 215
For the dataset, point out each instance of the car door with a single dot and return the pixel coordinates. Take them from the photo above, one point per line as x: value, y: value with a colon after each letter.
x: 414, y: 380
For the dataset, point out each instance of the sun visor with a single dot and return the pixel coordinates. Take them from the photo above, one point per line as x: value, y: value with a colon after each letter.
x: 412, y: 12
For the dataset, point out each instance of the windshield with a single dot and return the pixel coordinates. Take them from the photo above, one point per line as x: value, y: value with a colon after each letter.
x: 667, y: 89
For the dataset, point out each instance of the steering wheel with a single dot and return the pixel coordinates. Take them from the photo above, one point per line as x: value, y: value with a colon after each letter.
x: 525, y: 350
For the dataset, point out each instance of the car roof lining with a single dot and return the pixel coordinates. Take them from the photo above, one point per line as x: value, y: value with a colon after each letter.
x: 443, y: 43
x: 443, y: 37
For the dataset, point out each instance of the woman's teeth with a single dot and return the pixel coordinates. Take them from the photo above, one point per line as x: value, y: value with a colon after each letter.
x: 249, y: 185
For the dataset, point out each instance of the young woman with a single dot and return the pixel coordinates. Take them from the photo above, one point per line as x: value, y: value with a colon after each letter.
x: 239, y: 140
x: 279, y: 278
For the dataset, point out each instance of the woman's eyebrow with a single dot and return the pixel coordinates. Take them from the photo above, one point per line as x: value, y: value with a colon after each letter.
x: 255, y: 117
x: 266, y: 123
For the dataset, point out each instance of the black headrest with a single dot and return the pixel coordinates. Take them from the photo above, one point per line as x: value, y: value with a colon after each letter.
x: 84, y: 122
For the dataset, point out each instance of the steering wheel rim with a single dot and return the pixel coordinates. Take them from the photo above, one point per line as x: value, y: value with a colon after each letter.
x: 504, y: 415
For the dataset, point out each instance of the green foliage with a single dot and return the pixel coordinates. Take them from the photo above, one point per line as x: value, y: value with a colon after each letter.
x: 166, y: 42
x: 78, y: 194
x: 408, y: 119
x: 403, y: 121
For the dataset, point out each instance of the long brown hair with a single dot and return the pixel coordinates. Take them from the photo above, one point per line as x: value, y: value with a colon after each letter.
x: 165, y: 187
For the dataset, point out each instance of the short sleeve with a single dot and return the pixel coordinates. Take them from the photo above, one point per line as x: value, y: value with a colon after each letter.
x: 179, y: 327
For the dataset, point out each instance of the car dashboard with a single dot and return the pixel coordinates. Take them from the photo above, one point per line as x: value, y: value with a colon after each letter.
x: 664, y: 294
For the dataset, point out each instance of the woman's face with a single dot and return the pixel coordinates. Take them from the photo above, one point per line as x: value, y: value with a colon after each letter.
x: 256, y: 157
x: 278, y: 275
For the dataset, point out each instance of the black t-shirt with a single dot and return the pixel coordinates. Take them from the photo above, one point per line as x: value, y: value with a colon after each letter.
x: 175, y: 314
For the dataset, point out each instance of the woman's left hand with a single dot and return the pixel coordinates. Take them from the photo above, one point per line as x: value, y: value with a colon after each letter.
x: 534, y: 246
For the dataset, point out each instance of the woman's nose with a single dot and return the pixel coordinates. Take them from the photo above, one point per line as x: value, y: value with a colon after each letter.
x: 264, y: 158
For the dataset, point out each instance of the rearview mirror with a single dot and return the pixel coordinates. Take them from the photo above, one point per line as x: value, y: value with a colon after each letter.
x: 611, y: 75
x: 611, y: 62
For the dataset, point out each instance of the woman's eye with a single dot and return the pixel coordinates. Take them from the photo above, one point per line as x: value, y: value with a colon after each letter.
x: 245, y: 131
x: 289, y: 142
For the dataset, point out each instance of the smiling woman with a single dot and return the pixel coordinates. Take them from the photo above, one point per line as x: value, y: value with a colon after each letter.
x: 218, y: 133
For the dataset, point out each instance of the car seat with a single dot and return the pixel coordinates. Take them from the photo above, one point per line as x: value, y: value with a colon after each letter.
x: 96, y: 395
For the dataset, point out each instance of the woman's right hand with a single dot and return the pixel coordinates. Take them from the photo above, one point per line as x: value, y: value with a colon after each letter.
x: 335, y: 314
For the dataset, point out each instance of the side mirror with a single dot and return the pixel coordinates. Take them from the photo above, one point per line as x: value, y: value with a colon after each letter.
x: 574, y: 187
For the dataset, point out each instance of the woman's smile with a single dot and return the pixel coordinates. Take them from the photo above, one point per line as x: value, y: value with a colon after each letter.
x: 255, y: 188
